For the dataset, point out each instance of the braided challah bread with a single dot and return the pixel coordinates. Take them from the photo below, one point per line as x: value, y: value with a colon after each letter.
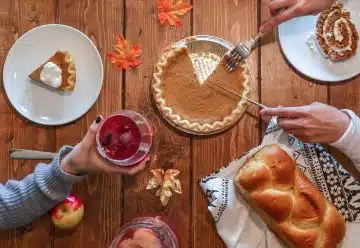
x: 291, y: 206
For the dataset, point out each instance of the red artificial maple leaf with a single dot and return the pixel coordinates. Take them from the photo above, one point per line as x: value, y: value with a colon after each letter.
x: 170, y: 10
x: 125, y: 54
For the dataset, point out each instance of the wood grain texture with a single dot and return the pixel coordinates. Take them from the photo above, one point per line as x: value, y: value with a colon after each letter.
x: 170, y: 150
x: 110, y: 201
x: 23, y: 16
x: 101, y: 21
x: 233, y: 21
x: 279, y: 79
x: 6, y: 112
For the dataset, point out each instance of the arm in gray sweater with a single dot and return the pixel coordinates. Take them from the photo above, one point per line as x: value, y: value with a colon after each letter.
x: 22, y: 202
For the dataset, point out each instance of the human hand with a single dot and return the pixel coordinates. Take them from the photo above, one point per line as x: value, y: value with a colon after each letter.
x: 84, y: 158
x: 315, y: 123
x: 284, y: 10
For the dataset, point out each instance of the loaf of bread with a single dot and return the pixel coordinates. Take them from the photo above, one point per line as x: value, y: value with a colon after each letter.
x: 292, y: 207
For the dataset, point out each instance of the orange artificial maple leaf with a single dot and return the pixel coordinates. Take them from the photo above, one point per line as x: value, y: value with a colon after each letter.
x: 170, y: 10
x: 125, y: 55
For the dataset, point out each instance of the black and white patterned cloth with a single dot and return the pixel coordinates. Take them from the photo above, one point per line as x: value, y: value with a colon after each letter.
x: 240, y: 227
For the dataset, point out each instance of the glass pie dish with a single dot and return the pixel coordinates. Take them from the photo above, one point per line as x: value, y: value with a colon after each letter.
x: 183, y: 86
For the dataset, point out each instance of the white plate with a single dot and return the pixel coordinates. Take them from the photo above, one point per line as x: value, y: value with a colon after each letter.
x: 292, y: 38
x: 38, y: 102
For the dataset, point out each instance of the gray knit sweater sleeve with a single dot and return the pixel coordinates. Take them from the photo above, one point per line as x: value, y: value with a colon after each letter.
x: 22, y: 202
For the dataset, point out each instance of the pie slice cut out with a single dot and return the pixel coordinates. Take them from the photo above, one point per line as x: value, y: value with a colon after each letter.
x: 195, y: 105
x: 61, y: 60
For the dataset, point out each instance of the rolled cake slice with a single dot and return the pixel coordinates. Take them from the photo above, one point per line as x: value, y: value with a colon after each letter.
x: 336, y: 35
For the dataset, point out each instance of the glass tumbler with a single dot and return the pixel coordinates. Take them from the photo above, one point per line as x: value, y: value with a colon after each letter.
x: 124, y: 138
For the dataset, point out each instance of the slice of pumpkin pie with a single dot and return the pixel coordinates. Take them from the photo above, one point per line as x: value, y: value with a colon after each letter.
x: 58, y: 72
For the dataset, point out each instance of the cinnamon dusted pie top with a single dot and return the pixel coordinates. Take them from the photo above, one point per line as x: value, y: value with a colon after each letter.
x: 336, y: 35
x: 195, y: 106
x: 66, y: 63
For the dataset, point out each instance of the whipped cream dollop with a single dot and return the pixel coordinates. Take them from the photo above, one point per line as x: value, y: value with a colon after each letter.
x: 311, y: 42
x: 51, y: 75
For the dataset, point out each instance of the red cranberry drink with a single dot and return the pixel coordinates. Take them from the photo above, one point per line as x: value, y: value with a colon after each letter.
x: 148, y: 232
x: 120, y: 137
x: 124, y: 138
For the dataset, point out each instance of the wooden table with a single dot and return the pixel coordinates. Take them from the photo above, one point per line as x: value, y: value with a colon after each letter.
x: 111, y: 200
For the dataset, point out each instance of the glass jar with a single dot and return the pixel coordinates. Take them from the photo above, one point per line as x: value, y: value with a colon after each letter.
x: 151, y: 231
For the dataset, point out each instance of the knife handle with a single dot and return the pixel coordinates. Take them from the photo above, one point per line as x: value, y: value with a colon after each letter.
x: 31, y: 154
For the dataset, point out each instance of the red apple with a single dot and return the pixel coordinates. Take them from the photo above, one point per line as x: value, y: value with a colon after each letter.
x: 68, y: 213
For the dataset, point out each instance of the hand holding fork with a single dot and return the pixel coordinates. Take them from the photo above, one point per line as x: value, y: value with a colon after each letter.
x: 281, y: 11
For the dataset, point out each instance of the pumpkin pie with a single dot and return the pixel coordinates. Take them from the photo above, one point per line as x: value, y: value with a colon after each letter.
x: 58, y: 72
x: 336, y: 35
x: 195, y: 106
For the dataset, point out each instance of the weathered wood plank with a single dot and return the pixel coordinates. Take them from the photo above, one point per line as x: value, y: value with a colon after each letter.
x: 234, y: 21
x: 278, y: 78
x: 101, y: 21
x: 23, y: 16
x: 6, y: 130
x: 170, y: 149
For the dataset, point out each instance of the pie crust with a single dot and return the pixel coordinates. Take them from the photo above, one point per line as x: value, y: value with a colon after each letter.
x: 198, y: 125
x: 65, y: 61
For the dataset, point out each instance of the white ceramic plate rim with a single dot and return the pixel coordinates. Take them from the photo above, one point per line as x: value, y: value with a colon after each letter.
x: 330, y: 78
x: 37, y: 121
x: 306, y: 74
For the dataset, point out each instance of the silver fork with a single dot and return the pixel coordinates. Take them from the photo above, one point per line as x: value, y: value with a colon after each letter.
x: 240, y: 52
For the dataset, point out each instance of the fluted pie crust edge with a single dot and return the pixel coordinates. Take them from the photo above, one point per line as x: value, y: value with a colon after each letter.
x: 71, y: 70
x: 163, y: 62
